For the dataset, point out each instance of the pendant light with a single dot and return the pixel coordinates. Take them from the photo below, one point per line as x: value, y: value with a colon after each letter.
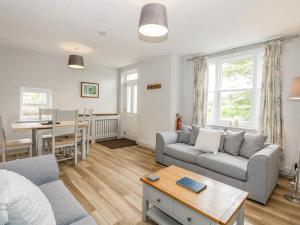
x: 153, y: 20
x: 76, y: 62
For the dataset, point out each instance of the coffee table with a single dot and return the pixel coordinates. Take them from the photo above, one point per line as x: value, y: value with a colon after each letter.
x: 173, y: 204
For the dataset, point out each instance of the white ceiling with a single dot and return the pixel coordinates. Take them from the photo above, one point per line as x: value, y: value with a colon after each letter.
x: 59, y: 26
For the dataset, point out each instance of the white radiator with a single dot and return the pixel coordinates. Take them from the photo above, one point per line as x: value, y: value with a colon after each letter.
x: 105, y: 127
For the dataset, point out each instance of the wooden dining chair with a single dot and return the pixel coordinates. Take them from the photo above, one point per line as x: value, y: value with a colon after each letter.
x: 87, y: 119
x: 45, y: 115
x: 60, y: 143
x: 10, y: 145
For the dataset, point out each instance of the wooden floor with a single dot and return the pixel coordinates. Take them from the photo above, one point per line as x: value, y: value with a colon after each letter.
x: 107, y: 185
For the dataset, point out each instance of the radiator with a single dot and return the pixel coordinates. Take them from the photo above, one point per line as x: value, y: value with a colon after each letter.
x: 105, y: 127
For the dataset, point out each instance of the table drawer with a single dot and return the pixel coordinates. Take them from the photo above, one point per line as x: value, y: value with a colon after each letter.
x: 160, y: 200
x: 188, y: 217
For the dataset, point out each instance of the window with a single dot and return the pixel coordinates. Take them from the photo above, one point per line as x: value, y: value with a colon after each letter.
x: 31, y: 99
x: 131, y: 91
x: 234, y: 90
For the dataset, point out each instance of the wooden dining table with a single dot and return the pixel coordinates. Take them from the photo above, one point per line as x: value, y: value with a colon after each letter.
x: 37, y: 130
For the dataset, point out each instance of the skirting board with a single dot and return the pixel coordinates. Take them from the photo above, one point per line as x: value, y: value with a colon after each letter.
x: 146, y: 145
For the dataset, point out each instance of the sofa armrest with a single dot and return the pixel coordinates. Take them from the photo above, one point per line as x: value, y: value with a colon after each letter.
x: 39, y: 170
x: 163, y: 139
x: 263, y: 171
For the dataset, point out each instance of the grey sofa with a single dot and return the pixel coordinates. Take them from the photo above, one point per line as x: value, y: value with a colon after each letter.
x: 43, y: 171
x: 256, y: 175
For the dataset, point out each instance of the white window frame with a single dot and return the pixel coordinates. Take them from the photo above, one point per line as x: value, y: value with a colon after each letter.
x: 48, y: 92
x: 130, y: 82
x: 256, y: 55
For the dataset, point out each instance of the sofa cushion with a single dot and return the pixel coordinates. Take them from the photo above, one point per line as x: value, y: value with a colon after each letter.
x: 182, y: 152
x: 185, y: 134
x: 226, y: 164
x: 252, y: 143
x: 194, y: 135
x: 208, y: 140
x: 233, y: 142
x: 65, y: 207
x: 85, y: 221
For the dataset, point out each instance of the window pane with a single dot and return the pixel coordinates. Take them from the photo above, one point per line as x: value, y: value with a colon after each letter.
x: 210, y: 105
x: 211, y: 77
x: 132, y: 76
x: 235, y: 105
x: 237, y: 74
x: 134, y: 99
x: 30, y: 111
x: 34, y: 98
x: 128, y: 99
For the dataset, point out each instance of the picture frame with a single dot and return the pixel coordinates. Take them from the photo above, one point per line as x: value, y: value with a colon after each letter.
x: 89, y: 90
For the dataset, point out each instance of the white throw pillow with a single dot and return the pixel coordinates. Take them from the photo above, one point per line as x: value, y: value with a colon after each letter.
x: 22, y: 202
x: 208, y: 140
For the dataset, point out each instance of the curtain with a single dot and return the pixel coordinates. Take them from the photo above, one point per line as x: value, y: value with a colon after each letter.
x: 200, y: 91
x: 271, y: 119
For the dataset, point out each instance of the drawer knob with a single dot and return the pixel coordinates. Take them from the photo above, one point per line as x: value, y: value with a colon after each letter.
x: 189, y: 219
x: 158, y: 199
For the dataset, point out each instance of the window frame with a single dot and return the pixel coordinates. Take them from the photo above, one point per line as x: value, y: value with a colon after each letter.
x: 133, y: 109
x: 48, y: 92
x: 256, y: 55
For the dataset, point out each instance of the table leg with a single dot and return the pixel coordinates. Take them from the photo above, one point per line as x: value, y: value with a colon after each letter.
x: 34, y: 142
x: 240, y: 219
x: 84, y: 143
x: 145, y: 205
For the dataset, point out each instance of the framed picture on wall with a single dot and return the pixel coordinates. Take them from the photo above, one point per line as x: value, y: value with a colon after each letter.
x: 89, y: 90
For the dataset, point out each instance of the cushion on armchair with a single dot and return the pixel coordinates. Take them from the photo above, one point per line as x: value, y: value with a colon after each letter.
x: 22, y: 202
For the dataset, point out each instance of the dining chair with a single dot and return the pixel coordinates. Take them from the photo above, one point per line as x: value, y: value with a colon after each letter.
x: 60, y: 143
x: 13, y: 145
x: 45, y: 115
x: 87, y: 119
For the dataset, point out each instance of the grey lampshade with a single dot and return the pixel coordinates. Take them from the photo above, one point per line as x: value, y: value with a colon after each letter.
x: 76, y: 62
x: 153, y: 20
x: 295, y: 89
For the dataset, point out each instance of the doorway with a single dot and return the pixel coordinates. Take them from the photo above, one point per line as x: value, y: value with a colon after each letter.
x: 130, y: 103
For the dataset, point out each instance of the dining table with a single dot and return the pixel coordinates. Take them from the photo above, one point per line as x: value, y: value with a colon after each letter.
x: 37, y: 129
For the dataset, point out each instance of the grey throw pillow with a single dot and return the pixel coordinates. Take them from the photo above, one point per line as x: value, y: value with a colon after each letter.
x: 252, y: 143
x: 233, y: 142
x: 194, y: 135
x: 185, y: 134
x: 221, y: 148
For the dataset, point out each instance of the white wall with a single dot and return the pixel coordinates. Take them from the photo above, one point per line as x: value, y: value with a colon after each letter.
x: 157, y: 108
x: 290, y: 67
x: 22, y: 68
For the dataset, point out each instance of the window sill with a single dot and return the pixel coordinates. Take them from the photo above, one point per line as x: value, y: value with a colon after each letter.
x: 244, y: 128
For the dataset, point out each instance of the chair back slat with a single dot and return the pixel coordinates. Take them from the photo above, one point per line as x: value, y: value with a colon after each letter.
x: 2, y: 134
x: 67, y: 115
x: 48, y: 113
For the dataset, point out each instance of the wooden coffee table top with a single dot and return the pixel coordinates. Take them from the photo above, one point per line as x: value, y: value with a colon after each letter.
x: 218, y: 202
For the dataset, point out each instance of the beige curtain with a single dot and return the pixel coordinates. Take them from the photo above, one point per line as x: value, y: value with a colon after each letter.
x: 271, y: 120
x: 200, y: 91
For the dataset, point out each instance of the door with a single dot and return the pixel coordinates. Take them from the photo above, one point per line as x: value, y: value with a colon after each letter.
x: 130, y: 105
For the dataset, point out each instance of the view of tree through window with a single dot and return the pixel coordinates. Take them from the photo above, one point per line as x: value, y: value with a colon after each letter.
x: 236, y: 103
x: 31, y: 100
x: 233, y: 89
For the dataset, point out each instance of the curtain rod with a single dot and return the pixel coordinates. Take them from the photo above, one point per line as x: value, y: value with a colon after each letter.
x: 246, y: 47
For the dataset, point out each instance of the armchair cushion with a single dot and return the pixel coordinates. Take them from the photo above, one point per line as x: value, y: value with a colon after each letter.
x: 65, y: 207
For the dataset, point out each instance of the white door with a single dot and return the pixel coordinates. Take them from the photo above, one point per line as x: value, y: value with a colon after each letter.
x: 130, y: 105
